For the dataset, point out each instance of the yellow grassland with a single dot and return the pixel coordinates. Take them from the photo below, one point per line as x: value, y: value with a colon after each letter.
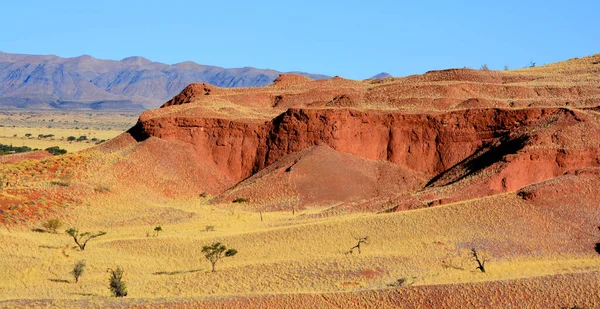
x: 7, y: 137
x: 285, y: 253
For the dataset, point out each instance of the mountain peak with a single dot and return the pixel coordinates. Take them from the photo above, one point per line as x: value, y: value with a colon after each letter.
x: 136, y: 60
x: 381, y: 75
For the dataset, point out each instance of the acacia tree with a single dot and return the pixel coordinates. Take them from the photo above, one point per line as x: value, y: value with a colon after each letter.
x: 81, y: 239
x: 217, y: 251
x: 157, y: 230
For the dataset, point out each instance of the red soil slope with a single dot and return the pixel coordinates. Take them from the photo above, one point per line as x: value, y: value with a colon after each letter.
x: 319, y: 176
x: 18, y: 157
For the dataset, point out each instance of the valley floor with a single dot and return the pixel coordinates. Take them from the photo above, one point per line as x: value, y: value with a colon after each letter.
x: 288, y: 260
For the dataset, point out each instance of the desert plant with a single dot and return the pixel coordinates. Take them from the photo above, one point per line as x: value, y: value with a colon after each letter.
x: 102, y: 188
x: 402, y: 282
x: 116, y: 284
x: 241, y: 200
x: 484, y: 67
x: 55, y: 150
x: 157, y: 229
x: 217, y: 251
x: 78, y: 270
x: 209, y: 228
x: 81, y: 239
x: 51, y: 225
x: 360, y: 241
x: 71, y: 138
x: 505, y: 68
x: 478, y: 259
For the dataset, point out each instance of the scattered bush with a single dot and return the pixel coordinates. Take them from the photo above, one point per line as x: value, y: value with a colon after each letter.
x: 157, y: 229
x: 55, y: 150
x: 241, y: 200
x: 217, y: 251
x: 484, y: 67
x: 51, y: 225
x: 209, y: 228
x: 71, y: 138
x: 116, y: 284
x: 63, y: 181
x: 81, y: 239
x: 82, y: 138
x: 402, y: 282
x: 9, y: 149
x: 78, y: 270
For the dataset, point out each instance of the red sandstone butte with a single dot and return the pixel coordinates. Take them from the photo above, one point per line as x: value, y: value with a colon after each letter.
x: 429, y: 139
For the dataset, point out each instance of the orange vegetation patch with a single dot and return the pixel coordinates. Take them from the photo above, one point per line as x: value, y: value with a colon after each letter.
x: 17, y: 157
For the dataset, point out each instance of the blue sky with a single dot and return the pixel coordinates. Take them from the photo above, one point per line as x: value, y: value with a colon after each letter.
x: 352, y: 39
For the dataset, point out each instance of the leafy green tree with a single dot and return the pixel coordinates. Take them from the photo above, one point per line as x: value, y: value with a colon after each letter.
x: 78, y: 270
x: 116, y: 284
x: 81, y: 239
x: 217, y: 251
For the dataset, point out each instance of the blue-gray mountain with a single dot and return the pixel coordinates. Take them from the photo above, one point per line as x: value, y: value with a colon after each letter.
x: 134, y: 83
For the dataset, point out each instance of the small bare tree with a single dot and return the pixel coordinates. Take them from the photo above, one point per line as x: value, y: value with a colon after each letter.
x: 81, y: 239
x: 215, y: 252
x: 78, y: 270
x: 480, y: 260
x: 359, y: 241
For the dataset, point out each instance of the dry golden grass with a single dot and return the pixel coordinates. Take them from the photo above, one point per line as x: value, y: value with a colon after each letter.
x: 98, y: 126
x: 16, y: 137
x: 282, y: 254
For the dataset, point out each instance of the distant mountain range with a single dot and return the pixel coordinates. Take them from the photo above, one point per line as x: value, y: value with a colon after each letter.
x: 134, y: 83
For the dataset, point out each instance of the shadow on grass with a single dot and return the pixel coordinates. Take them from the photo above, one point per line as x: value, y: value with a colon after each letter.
x: 59, y: 280
x: 86, y: 294
x: 170, y: 273
x: 39, y: 230
x: 49, y: 247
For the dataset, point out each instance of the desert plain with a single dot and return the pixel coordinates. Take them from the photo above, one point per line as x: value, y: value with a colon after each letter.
x: 427, y: 169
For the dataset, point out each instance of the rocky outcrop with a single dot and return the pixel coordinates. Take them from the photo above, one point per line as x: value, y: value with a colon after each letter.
x: 449, y: 135
x: 448, y: 145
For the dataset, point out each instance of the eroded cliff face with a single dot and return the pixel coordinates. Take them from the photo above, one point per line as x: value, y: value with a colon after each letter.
x: 431, y: 143
x: 450, y: 134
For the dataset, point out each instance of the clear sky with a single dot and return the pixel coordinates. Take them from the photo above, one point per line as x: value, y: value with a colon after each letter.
x: 352, y: 39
